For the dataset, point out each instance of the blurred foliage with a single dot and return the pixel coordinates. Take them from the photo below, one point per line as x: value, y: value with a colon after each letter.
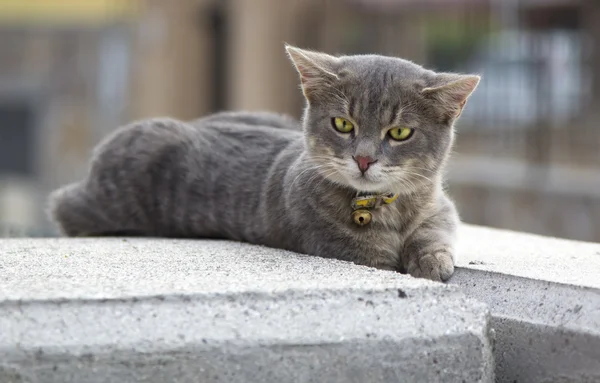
x: 452, y: 39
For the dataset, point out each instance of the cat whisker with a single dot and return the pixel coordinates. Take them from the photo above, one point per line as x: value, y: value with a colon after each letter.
x: 329, y: 159
x: 401, y: 171
x: 317, y: 168
x: 313, y: 168
x: 412, y: 167
x: 405, y: 183
x: 327, y: 178
x: 419, y: 175
x: 410, y: 190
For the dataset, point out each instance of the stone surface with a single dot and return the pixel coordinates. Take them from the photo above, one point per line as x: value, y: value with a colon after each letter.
x: 544, y: 296
x: 147, y: 310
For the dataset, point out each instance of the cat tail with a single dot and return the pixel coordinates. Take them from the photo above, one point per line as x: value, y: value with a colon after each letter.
x: 76, y: 216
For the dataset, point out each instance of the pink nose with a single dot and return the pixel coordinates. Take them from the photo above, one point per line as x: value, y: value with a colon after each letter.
x: 364, y: 162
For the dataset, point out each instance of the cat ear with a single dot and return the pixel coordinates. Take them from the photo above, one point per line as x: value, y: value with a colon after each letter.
x: 451, y: 91
x: 316, y: 70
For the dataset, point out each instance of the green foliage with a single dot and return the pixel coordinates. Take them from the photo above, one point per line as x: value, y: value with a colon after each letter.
x: 452, y: 39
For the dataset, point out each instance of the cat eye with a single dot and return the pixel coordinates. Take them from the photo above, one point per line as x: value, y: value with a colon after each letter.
x: 400, y: 134
x: 342, y: 125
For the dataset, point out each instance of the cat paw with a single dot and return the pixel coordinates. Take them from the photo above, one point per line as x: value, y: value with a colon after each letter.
x: 437, y: 266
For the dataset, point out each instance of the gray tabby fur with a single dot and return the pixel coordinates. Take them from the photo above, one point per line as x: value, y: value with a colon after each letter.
x: 268, y: 179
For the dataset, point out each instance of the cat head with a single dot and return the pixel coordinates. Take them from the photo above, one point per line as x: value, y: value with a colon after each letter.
x: 376, y: 123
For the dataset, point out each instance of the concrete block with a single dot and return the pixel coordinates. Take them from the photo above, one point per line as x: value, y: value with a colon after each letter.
x: 544, y: 296
x: 163, y: 310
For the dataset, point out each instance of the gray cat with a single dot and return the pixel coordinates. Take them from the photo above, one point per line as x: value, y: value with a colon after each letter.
x: 360, y: 179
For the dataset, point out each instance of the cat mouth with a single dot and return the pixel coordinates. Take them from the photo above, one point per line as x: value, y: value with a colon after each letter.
x: 358, y: 181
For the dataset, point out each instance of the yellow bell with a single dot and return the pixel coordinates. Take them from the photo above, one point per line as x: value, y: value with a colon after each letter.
x: 361, y: 217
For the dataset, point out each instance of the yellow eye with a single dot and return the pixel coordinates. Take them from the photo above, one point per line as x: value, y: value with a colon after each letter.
x: 342, y: 125
x: 401, y: 134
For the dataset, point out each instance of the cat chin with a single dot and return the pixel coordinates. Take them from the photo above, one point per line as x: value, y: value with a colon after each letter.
x: 365, y: 185
x: 359, y: 183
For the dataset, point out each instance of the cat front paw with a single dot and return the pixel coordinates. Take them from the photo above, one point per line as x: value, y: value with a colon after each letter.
x: 437, y: 265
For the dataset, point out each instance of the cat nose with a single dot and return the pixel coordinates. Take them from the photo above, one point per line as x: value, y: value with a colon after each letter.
x: 364, y: 162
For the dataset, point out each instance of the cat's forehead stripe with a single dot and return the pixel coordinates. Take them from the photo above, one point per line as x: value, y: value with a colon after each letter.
x: 385, y: 79
x: 395, y: 115
x: 351, y: 106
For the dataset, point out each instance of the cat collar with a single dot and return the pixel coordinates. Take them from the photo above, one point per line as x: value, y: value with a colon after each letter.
x: 363, y: 203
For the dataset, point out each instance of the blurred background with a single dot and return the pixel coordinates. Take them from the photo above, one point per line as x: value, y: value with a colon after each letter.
x: 528, y: 148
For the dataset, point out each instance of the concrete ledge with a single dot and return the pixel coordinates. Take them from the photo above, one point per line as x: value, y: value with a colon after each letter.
x: 163, y: 310
x: 130, y: 310
x: 544, y: 295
